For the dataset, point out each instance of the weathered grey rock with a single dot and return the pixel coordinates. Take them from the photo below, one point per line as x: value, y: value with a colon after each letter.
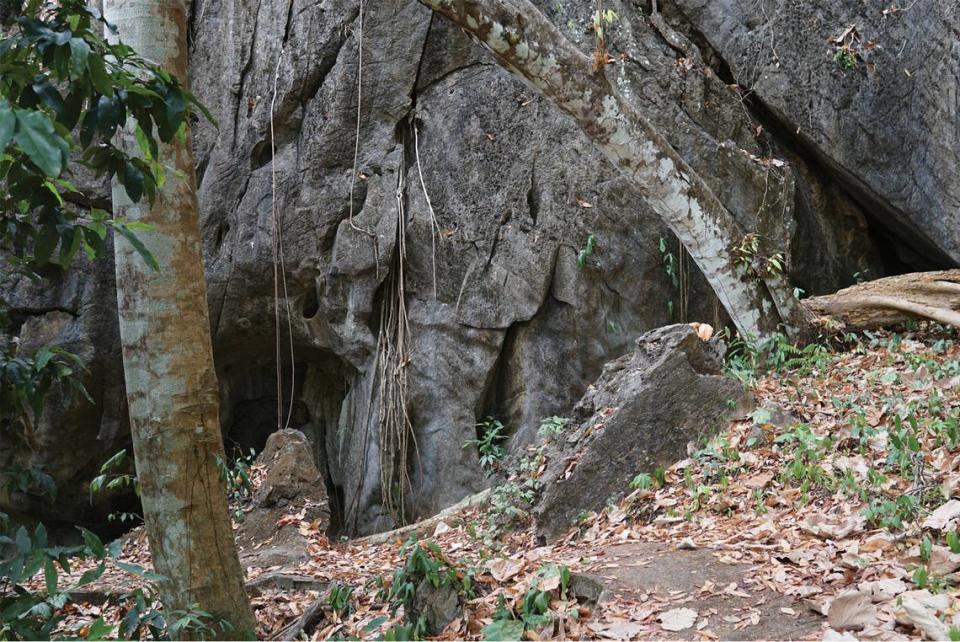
x: 291, y: 472
x: 887, y: 129
x: 436, y: 605
x: 292, y: 486
x: 640, y: 414
x: 511, y: 327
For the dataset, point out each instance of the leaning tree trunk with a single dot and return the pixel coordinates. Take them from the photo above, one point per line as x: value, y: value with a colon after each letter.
x: 172, y: 390
x: 528, y: 45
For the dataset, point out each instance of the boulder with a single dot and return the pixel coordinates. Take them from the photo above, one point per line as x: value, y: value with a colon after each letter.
x: 641, y: 413
x: 292, y: 491
x: 437, y: 605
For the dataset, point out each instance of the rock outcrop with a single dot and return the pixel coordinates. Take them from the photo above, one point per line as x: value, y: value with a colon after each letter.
x: 292, y: 486
x: 502, y: 319
x: 641, y: 414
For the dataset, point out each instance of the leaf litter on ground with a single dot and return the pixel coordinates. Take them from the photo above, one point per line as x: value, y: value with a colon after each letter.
x: 841, y: 498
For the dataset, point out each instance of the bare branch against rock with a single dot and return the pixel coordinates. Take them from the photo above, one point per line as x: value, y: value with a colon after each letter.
x: 527, y: 44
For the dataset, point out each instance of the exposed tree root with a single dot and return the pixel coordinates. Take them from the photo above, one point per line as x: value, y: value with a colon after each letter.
x: 893, y: 300
x: 314, y: 613
x: 425, y: 528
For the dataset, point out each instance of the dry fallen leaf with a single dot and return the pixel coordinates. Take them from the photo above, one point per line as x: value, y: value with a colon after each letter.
x: 504, y: 568
x: 677, y: 619
x: 851, y: 610
x: 620, y: 630
x: 883, y: 590
x: 939, y: 518
x: 760, y: 480
x: 924, y: 619
x: 820, y: 526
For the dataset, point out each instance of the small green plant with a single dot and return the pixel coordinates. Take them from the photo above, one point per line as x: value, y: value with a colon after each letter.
x: 749, y: 257
x: 114, y: 476
x: 533, y: 611
x: 510, y: 502
x: 236, y: 475
x: 892, y: 514
x: 844, y: 58
x: 489, y: 444
x: 601, y: 18
x: 671, y: 267
x: 670, y: 263
x: 589, y: 247
x: 643, y: 481
x: 425, y: 563
x: 340, y: 599
x: 552, y: 426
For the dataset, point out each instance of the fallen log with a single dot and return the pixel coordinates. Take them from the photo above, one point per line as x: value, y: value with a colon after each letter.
x: 893, y: 300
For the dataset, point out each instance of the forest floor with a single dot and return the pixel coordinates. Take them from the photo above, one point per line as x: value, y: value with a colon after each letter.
x: 829, y: 513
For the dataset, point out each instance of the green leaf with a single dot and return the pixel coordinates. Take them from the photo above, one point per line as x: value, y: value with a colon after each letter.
x: 115, y: 460
x: 139, y: 571
x: 133, y: 181
x: 8, y: 122
x: 100, y: 630
x: 50, y: 576
x: 96, y: 484
x: 23, y: 540
x: 40, y: 536
x: 375, y: 623
x: 503, y: 630
x: 143, y: 143
x: 69, y: 246
x: 953, y: 541
x: 98, y: 75
x: 37, y: 138
x: 45, y: 242
x: 91, y: 575
x: 137, y: 244
x: 93, y: 542
x: 79, y: 53
x: 42, y: 358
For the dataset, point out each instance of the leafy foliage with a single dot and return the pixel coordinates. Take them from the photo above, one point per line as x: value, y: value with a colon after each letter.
x: 552, y: 426
x: 425, y: 563
x: 535, y: 610
x: 64, y: 92
x: 489, y: 444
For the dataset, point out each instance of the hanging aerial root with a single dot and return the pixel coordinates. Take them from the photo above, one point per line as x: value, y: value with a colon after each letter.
x: 396, y: 439
x: 892, y: 300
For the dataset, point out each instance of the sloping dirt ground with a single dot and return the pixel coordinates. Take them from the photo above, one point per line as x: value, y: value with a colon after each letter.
x: 831, y: 513
x: 721, y: 590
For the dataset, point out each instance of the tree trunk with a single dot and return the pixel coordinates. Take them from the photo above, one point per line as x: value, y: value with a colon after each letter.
x: 172, y: 390
x: 528, y: 45
x: 893, y: 300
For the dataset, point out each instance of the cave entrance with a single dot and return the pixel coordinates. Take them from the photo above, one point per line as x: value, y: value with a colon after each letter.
x: 249, y: 410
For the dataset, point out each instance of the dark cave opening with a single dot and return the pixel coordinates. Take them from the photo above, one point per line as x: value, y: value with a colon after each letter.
x: 317, y: 386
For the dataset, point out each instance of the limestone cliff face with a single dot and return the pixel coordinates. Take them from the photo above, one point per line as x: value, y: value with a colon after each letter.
x: 502, y: 319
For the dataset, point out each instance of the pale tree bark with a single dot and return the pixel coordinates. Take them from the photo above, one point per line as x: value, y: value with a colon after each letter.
x: 172, y: 390
x: 527, y: 44
x: 893, y: 300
